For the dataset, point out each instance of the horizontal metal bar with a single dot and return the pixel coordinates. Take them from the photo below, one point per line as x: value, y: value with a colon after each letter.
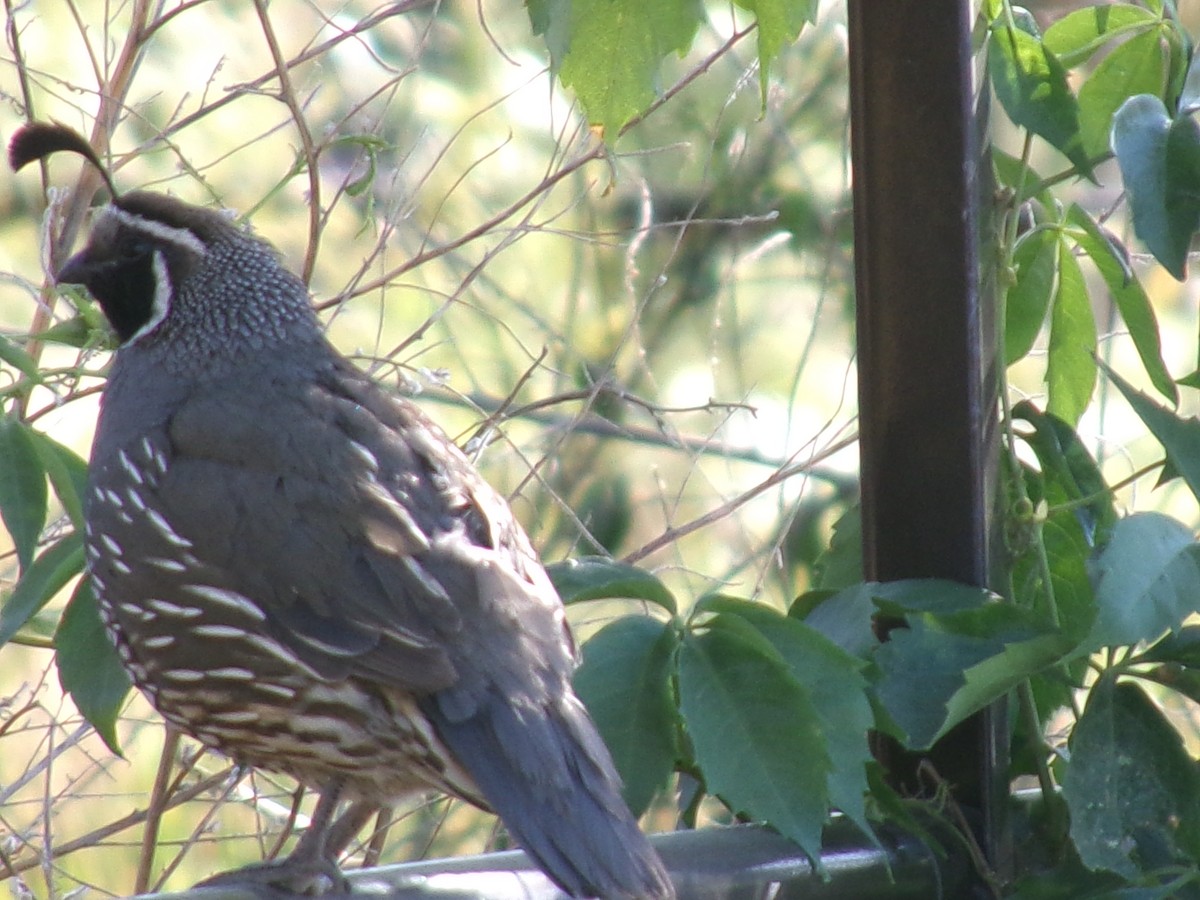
x: 744, y: 862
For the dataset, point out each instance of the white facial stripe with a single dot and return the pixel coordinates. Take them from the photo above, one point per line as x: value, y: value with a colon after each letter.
x: 181, y: 237
x: 162, y: 298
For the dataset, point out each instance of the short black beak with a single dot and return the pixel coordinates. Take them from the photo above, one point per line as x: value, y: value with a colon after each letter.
x: 75, y: 270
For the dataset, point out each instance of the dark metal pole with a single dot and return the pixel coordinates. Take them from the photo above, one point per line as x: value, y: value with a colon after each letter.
x: 926, y: 347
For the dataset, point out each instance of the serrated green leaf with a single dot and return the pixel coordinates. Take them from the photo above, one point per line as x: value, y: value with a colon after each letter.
x: 841, y: 564
x: 1135, y: 67
x: 938, y: 671
x: 1130, y: 784
x: 1071, y: 366
x: 756, y: 733
x: 1075, y: 37
x: 1160, y: 165
x: 23, y: 494
x: 609, y: 51
x: 779, y: 24
x: 1111, y: 260
x: 917, y: 706
x: 1147, y: 581
x: 1180, y: 437
x: 600, y: 578
x: 1031, y: 85
x: 844, y: 617
x: 1035, y: 260
x: 625, y: 682
x: 838, y: 691
x: 68, y: 475
x: 932, y: 595
x: 88, y: 666
x: 45, y: 577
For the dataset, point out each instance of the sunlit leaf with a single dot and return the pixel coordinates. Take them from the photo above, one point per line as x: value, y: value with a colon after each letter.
x: 1036, y: 262
x: 609, y: 51
x: 1111, y: 260
x: 1075, y: 37
x: 1071, y: 366
x: 1031, y: 85
x: 600, y: 578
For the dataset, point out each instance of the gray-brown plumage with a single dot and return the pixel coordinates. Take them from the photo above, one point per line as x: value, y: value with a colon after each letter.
x: 302, y: 571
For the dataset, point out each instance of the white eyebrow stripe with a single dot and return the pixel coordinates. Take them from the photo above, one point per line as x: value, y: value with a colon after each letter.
x: 181, y: 237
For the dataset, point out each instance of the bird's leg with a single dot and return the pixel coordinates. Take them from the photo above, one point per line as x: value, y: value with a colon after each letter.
x: 311, y: 868
x: 341, y: 832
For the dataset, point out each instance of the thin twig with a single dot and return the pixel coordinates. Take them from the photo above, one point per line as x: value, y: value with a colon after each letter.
x: 154, y: 811
x: 287, y: 94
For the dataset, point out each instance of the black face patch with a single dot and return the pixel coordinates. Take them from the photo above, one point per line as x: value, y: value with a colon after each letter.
x: 125, y: 288
x: 123, y: 280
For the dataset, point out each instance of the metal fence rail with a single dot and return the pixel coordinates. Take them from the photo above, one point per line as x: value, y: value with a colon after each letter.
x: 738, y: 863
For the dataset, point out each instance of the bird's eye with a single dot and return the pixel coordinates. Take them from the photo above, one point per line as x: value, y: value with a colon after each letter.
x: 139, y: 248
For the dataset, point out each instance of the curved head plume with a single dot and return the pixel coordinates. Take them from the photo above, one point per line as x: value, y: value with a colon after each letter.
x: 37, y: 140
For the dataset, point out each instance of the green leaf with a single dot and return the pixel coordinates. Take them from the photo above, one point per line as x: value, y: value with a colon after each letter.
x: 1035, y: 260
x: 932, y: 678
x: 625, y: 682
x: 14, y: 355
x: 1071, y: 367
x: 1031, y: 85
x: 1078, y: 35
x: 1017, y: 175
x: 932, y: 595
x: 48, y: 575
x: 1130, y: 785
x: 841, y: 564
x: 1160, y: 164
x: 1180, y: 437
x: 779, y: 23
x: 88, y: 666
x: 1066, y: 461
x: 756, y: 732
x: 77, y: 331
x: 1111, y: 260
x: 23, y: 494
x: 1134, y: 67
x: 600, y: 578
x: 1147, y: 581
x: 844, y: 617
x: 610, y: 51
x: 68, y: 474
x: 1189, y: 96
x: 836, y: 686
x: 1182, y: 646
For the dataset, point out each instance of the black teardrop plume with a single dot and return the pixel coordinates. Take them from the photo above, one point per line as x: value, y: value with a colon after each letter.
x: 37, y: 140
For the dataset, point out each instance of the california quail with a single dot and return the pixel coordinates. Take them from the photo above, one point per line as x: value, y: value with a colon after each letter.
x: 300, y: 569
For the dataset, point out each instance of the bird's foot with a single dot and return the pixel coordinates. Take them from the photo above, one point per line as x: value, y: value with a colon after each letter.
x: 285, y: 878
